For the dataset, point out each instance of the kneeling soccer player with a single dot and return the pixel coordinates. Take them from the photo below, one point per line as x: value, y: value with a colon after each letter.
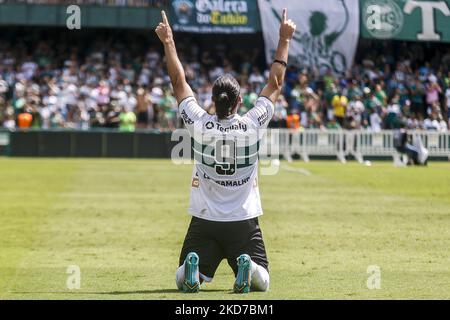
x: 225, y: 202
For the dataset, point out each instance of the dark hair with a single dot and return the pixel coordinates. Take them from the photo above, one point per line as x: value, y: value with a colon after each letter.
x: 225, y: 94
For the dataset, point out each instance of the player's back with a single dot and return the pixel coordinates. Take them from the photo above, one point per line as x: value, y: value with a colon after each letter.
x: 225, y: 180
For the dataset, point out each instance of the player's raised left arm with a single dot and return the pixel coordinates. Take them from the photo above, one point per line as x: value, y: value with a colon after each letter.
x: 175, y: 69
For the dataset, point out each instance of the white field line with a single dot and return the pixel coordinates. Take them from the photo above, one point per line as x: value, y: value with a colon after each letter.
x: 297, y: 170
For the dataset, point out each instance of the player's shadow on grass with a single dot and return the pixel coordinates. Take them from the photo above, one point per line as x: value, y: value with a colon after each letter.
x: 156, y: 291
x: 153, y: 291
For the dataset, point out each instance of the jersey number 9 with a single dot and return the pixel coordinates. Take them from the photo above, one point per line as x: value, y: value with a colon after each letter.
x: 225, y: 157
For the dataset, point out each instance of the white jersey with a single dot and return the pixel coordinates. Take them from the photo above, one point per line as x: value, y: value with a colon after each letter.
x: 224, y: 184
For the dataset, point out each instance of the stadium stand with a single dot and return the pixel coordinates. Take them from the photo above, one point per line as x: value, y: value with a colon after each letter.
x: 107, y: 76
x: 129, y: 3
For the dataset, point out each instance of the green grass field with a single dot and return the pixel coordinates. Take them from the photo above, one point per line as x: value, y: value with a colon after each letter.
x: 123, y: 222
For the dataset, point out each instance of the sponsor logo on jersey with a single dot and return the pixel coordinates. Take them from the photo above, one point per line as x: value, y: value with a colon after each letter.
x: 186, y: 118
x: 239, y: 126
x: 263, y: 118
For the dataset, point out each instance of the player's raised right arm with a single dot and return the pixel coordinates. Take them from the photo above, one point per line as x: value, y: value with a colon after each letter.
x: 175, y: 69
x: 276, y: 77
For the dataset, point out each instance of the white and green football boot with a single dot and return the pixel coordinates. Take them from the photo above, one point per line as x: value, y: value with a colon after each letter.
x: 243, y: 279
x: 191, y: 281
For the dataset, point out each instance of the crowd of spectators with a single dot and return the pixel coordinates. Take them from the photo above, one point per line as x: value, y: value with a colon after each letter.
x: 387, y: 86
x: 119, y: 3
x: 113, y: 83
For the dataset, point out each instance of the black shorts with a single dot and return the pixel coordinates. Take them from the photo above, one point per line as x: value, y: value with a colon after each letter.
x: 142, y: 117
x: 214, y: 241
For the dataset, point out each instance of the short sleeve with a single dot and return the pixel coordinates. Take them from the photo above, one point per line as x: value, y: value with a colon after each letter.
x: 190, y: 111
x: 261, y: 113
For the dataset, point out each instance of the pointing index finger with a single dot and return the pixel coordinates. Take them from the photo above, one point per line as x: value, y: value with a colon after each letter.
x: 164, y: 17
x: 284, y: 14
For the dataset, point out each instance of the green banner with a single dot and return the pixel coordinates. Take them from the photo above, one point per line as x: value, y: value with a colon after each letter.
x: 413, y: 20
x: 215, y: 16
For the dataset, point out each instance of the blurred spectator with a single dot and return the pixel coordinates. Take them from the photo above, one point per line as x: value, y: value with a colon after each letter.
x: 339, y: 104
x: 24, y: 120
x: 144, y: 109
x: 293, y: 120
x: 280, y: 113
x: 127, y: 120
